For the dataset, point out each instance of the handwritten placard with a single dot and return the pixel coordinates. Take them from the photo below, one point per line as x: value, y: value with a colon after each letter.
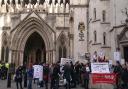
x: 38, y: 72
x: 100, y: 68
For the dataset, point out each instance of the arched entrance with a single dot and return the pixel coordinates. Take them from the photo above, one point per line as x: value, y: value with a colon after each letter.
x: 123, y: 43
x: 32, y: 36
x: 34, y: 50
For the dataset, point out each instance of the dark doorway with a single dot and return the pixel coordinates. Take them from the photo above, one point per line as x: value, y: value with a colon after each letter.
x: 34, y: 50
x: 126, y: 53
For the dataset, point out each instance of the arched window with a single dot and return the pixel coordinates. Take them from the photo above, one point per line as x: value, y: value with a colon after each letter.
x: 104, y: 15
x: 95, y: 36
x: 62, y: 47
x: 2, y: 54
x: 7, y: 54
x: 94, y: 13
x: 60, y: 53
x: 104, y: 38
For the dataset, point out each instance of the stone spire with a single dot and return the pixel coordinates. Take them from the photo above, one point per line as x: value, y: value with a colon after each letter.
x: 11, y: 2
x: 56, y: 9
x: 62, y: 8
x: 47, y: 1
x: 10, y: 7
x: 29, y: 6
x: 18, y: 7
x: 4, y: 7
x: 53, y: 2
x: 67, y: 8
x: 64, y: 1
x: 36, y: 6
x: 30, y: 1
x: 38, y: 1
x: 58, y: 1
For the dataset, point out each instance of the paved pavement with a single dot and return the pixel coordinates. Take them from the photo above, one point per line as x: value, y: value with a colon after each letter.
x: 3, y: 85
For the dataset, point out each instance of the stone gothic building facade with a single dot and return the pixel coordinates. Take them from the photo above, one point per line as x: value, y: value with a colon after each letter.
x: 48, y: 30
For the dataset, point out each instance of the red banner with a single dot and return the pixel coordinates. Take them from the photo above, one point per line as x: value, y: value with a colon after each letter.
x: 109, y: 78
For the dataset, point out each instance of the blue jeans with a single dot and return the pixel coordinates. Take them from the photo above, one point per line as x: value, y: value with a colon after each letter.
x: 30, y: 83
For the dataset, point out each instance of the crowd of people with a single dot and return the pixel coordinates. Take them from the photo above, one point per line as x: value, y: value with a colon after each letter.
x: 74, y: 74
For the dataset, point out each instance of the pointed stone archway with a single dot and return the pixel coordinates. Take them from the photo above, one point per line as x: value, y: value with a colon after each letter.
x: 123, y: 43
x: 34, y: 50
x: 22, y: 33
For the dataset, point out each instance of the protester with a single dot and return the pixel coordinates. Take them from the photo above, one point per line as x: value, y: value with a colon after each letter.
x: 124, y: 76
x: 9, y: 77
x: 73, y: 76
x: 3, y: 72
x: 86, y: 72
x: 30, y: 76
x: 46, y: 75
x: 18, y: 77
x: 118, y: 71
x: 55, y: 77
x: 25, y: 75
x: 67, y: 75
x: 77, y: 71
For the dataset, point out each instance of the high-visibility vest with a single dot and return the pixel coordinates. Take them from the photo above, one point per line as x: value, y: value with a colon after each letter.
x: 7, y: 65
x: 0, y: 66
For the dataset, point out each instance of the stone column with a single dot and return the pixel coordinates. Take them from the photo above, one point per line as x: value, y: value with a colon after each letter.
x: 51, y: 57
x: 47, y: 56
x: 15, y: 59
x: 10, y: 56
x: 54, y: 57
x: 21, y: 57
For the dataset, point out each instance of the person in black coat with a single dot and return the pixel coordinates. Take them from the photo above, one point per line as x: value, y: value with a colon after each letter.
x: 124, y: 77
x: 86, y: 72
x: 18, y: 77
x: 55, y: 77
x: 67, y: 75
x: 46, y: 75
x: 73, y: 76
x: 118, y: 71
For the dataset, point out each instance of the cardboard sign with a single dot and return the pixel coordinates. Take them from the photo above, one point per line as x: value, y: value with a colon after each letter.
x: 100, y: 68
x: 38, y: 72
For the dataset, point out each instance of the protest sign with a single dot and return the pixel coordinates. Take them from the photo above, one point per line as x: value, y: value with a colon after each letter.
x: 117, y: 56
x: 100, y: 68
x: 104, y: 78
x: 64, y: 60
x: 38, y: 72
